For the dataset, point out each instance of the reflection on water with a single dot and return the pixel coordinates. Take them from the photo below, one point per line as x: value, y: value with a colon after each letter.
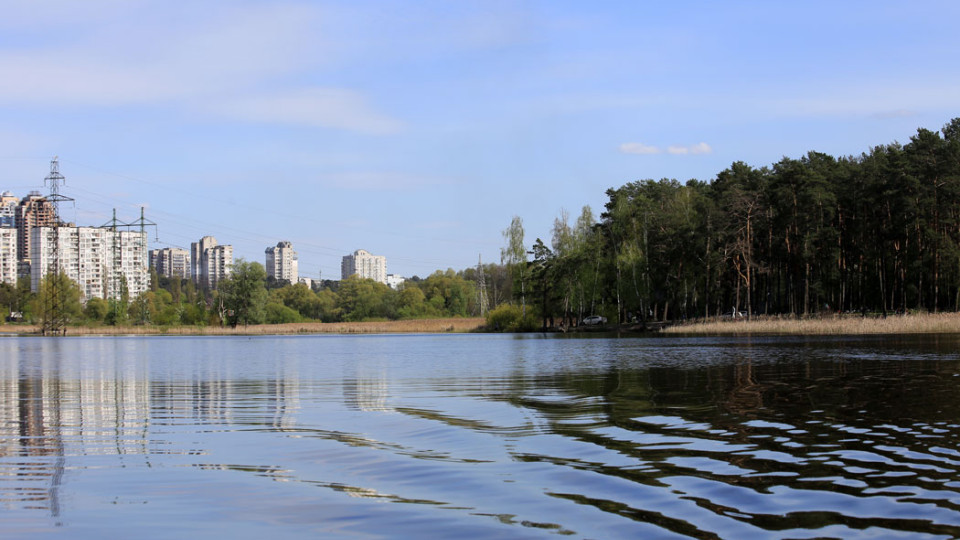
x: 481, y: 436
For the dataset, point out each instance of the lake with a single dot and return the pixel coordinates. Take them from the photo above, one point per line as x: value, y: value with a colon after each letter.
x: 479, y: 436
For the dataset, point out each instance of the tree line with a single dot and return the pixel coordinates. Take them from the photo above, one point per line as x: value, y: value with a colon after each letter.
x: 878, y: 232
x: 247, y: 296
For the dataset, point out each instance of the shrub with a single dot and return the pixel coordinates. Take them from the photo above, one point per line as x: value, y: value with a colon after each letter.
x: 279, y: 314
x: 509, y: 318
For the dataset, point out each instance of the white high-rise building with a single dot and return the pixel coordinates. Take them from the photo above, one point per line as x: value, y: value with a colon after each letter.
x: 99, y: 259
x: 364, y: 265
x: 171, y: 262
x: 8, y: 255
x: 8, y: 209
x: 282, y: 262
x: 209, y: 262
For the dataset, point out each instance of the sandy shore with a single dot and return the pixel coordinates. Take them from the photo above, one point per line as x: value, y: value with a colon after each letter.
x: 418, y: 326
x: 924, y: 323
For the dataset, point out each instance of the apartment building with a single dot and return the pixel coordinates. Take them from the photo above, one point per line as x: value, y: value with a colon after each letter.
x: 171, y: 262
x: 282, y: 262
x: 8, y: 255
x: 210, y: 262
x: 8, y: 209
x: 101, y: 260
x: 365, y: 265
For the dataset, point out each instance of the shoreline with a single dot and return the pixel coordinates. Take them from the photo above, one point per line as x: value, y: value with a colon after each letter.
x: 832, y: 325
x: 412, y: 326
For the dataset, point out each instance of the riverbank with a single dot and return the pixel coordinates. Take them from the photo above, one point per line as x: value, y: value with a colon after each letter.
x: 922, y: 323
x: 415, y: 326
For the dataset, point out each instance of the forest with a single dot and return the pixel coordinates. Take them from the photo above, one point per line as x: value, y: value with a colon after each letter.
x: 879, y: 232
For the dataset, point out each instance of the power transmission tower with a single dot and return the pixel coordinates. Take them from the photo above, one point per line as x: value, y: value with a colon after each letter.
x: 117, y: 278
x: 54, y: 320
x: 112, y: 292
x: 481, y: 287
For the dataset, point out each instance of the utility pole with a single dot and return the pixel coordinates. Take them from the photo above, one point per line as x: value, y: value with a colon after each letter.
x: 54, y: 320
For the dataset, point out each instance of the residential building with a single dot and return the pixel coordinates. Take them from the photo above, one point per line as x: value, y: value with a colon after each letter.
x: 8, y: 209
x: 210, y: 262
x: 395, y: 282
x: 171, y: 262
x: 8, y: 255
x: 365, y: 265
x: 306, y: 281
x: 282, y: 262
x: 102, y: 261
x: 33, y: 211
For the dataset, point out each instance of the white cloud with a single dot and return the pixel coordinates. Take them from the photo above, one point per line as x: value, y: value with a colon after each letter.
x: 318, y: 107
x: 699, y: 148
x: 639, y: 148
x: 647, y: 150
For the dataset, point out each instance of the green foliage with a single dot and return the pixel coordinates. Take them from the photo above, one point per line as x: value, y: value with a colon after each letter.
x: 116, y: 312
x: 8, y: 297
x: 412, y: 304
x: 515, y: 257
x: 58, y: 297
x: 327, y: 306
x: 280, y: 314
x: 299, y: 298
x: 244, y: 293
x: 96, y: 310
x: 365, y: 299
x: 448, y: 294
x: 143, y: 307
x: 811, y: 234
x: 510, y: 318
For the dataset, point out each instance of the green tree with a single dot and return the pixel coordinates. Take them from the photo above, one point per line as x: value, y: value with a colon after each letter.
x: 244, y: 293
x: 96, y: 309
x: 277, y: 313
x: 412, y: 304
x: 514, y: 255
x: 300, y: 298
x: 365, y: 299
x: 449, y: 294
x: 58, y: 299
x: 327, y: 308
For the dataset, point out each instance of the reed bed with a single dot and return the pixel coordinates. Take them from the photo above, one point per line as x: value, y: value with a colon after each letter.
x: 922, y: 323
x: 414, y: 326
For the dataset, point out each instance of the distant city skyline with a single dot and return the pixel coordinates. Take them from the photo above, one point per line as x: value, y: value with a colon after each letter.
x: 418, y: 130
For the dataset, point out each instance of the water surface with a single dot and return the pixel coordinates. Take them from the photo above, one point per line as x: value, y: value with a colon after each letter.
x: 479, y: 436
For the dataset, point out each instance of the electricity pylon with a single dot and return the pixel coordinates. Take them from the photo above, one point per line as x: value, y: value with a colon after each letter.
x: 54, y: 321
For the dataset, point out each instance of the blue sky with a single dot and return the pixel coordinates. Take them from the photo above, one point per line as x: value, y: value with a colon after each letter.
x: 417, y: 130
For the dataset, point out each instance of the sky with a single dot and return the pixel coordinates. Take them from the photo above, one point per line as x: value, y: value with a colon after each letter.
x: 418, y: 130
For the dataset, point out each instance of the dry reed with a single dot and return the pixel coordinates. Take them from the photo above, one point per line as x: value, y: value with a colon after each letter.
x: 413, y: 326
x: 924, y: 323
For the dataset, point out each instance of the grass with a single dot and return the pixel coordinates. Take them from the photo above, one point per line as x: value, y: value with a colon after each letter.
x: 413, y: 326
x: 920, y: 323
